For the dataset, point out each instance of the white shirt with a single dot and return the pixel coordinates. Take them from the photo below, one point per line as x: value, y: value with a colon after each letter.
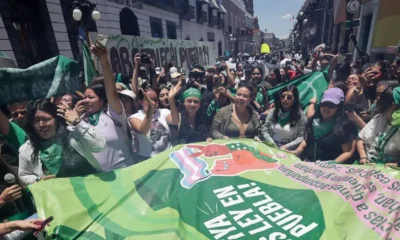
x: 370, y: 135
x: 158, y: 138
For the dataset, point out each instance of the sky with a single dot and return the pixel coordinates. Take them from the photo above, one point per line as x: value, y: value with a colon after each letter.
x: 274, y: 15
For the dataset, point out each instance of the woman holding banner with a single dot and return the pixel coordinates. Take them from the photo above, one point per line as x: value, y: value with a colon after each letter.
x: 329, y: 135
x: 285, y: 125
x: 106, y: 113
x: 379, y: 139
x: 189, y: 122
x: 55, y: 150
x: 238, y: 120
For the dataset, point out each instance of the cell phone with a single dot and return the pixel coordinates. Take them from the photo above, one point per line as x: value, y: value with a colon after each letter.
x: 43, y: 225
x: 101, y: 40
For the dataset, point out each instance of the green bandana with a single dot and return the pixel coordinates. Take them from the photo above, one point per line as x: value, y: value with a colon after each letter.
x: 95, y: 117
x: 283, y: 118
x: 50, y: 154
x: 321, y: 129
x: 191, y: 92
x: 396, y: 96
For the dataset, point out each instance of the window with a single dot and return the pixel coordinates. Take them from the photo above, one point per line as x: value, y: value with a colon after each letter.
x: 210, y: 36
x: 156, y: 28
x: 199, y: 10
x: 128, y: 22
x: 171, y: 30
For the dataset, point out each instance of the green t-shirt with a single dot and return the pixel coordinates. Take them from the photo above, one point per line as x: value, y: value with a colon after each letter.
x: 16, y: 137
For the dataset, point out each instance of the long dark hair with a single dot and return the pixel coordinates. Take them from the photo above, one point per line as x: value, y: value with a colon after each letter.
x: 259, y: 69
x: 295, y: 113
x: 35, y: 140
x: 385, y: 101
x: 98, y: 87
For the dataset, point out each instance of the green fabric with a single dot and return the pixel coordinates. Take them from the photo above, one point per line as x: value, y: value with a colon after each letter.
x: 321, y: 129
x: 95, y: 117
x: 396, y: 96
x: 309, y: 86
x: 383, y: 139
x: 260, y: 99
x: 240, y: 147
x: 213, y: 108
x: 396, y: 118
x: 211, y: 190
x: 51, y: 155
x: 283, y: 118
x: 53, y: 77
x: 119, y: 78
x: 88, y: 65
x: 191, y: 92
x: 16, y: 137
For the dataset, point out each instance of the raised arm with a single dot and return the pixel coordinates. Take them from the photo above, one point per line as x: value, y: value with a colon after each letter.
x: 109, y: 81
x: 4, y: 124
x: 230, y: 79
x: 173, y: 117
x: 143, y: 126
x: 333, y: 65
x: 136, y: 69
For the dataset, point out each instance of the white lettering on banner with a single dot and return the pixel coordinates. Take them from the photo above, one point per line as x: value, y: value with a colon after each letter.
x: 247, y: 220
x: 184, y: 53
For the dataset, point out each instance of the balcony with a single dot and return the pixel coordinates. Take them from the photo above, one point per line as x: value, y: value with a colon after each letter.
x: 169, y: 5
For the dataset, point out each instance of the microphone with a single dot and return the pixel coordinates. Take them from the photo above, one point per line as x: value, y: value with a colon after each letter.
x: 10, y: 180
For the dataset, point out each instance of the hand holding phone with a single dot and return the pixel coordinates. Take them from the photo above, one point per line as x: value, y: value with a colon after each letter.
x: 43, y: 225
x: 101, y: 41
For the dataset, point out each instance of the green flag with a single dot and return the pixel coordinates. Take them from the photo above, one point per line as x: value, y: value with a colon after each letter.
x: 309, y: 86
x: 237, y: 189
x: 88, y: 64
x: 53, y: 77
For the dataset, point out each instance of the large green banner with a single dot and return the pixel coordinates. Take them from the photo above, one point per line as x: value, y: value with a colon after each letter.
x: 237, y: 189
x: 309, y: 86
x: 53, y: 77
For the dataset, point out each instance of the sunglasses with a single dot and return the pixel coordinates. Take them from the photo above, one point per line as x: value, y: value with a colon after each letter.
x: 287, y: 96
x: 329, y: 105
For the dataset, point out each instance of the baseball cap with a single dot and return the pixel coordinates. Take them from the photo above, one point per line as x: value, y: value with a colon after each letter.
x: 175, y: 75
x: 128, y: 93
x: 173, y: 70
x: 334, y: 95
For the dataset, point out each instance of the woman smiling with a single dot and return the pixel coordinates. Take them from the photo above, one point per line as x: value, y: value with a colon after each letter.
x: 55, y: 150
x: 286, y: 123
x: 329, y: 135
x: 238, y: 120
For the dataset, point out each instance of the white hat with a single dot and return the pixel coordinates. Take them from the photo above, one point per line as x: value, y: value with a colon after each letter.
x: 173, y: 70
x: 283, y: 62
x: 128, y: 93
x: 175, y: 75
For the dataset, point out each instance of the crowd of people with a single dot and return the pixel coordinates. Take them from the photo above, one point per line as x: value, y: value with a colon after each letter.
x: 113, y: 125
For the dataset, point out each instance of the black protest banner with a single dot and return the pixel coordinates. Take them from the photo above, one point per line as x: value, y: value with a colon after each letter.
x: 122, y: 50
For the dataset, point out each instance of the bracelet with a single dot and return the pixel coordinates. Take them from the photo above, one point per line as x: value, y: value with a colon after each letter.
x: 311, y: 103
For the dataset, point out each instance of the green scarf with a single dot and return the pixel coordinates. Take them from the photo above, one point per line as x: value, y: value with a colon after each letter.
x: 283, y: 117
x: 51, y: 155
x: 95, y: 117
x: 321, y: 129
x: 396, y: 118
x: 383, y: 140
x: 260, y: 97
x: 191, y: 92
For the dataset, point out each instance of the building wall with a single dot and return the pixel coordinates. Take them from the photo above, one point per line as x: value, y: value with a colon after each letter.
x: 59, y: 28
x: 5, y: 45
x: 110, y: 24
x: 237, y: 19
